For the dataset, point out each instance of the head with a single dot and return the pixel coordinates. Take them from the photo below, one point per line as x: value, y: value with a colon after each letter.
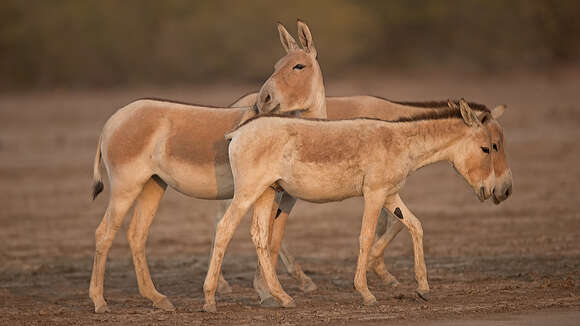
x: 503, y: 174
x: 296, y: 84
x: 472, y: 154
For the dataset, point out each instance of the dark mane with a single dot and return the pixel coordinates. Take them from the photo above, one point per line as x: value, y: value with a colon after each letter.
x: 448, y: 113
x: 180, y: 102
x: 438, y: 104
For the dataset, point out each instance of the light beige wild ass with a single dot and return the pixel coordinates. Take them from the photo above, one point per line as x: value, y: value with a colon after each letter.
x: 324, y: 161
x: 378, y: 108
x: 150, y: 144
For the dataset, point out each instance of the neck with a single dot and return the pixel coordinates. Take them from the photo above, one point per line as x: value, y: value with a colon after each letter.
x: 317, y: 108
x: 431, y: 141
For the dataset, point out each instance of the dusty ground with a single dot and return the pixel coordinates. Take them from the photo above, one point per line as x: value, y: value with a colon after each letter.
x: 486, y: 263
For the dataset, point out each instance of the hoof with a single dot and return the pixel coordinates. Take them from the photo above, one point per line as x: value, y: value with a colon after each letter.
x: 289, y: 304
x: 270, y: 302
x: 164, y: 304
x: 102, y: 308
x: 370, y: 301
x: 423, y: 294
x: 224, y: 288
x: 209, y: 307
x: 308, y: 287
x: 392, y: 284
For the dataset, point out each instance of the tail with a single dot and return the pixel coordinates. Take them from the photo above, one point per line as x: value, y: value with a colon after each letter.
x: 97, y: 179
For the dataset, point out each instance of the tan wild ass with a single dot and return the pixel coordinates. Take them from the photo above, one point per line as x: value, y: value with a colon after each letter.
x: 378, y: 108
x: 324, y: 161
x: 150, y: 144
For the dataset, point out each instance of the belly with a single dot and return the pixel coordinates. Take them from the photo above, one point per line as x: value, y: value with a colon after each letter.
x: 322, y: 184
x: 204, y: 181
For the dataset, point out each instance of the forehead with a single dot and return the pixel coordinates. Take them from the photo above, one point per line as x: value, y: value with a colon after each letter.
x: 293, y: 56
x: 495, y: 129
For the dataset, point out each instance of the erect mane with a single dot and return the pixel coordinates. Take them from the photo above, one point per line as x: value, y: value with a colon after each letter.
x: 438, y: 104
x: 449, y: 113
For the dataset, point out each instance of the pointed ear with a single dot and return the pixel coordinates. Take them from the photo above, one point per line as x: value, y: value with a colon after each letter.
x: 451, y: 104
x: 484, y: 117
x: 467, y: 114
x: 305, y: 38
x: 288, y: 42
x: 498, y: 111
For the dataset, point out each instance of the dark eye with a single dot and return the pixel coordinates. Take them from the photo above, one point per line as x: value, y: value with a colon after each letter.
x: 485, y: 150
x: 495, y: 147
x: 298, y: 66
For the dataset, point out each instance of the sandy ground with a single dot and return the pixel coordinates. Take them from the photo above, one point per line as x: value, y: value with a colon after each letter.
x: 515, y: 264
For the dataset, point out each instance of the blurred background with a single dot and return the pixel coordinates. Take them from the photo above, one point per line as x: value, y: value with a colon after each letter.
x: 68, y: 43
x: 66, y: 66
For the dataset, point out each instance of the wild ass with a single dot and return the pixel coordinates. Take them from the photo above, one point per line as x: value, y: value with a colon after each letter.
x: 150, y: 144
x: 378, y: 108
x: 324, y: 161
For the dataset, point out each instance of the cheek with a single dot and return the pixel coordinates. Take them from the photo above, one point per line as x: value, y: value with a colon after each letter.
x: 479, y: 168
x: 295, y: 87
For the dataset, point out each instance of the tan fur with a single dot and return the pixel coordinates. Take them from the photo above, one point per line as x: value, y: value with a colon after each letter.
x: 379, y: 108
x: 150, y: 144
x: 367, y: 167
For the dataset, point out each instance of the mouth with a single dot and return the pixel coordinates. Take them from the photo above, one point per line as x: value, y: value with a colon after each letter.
x: 276, y: 109
x: 481, y: 194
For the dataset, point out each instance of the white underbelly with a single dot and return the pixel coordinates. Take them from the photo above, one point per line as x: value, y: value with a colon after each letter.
x: 203, y: 181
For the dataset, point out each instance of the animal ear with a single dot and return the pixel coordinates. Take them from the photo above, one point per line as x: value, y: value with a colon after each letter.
x: 484, y: 117
x: 305, y: 38
x: 498, y: 111
x: 467, y: 114
x: 451, y: 104
x: 288, y: 42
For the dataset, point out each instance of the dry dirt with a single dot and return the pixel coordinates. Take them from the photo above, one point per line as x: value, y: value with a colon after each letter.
x: 516, y: 261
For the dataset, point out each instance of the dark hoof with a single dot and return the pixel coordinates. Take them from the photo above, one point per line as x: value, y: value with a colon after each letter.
x: 423, y: 294
x: 270, y: 302
x: 209, y: 307
x: 164, y: 304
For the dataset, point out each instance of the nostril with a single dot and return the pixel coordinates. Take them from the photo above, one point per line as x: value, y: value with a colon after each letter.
x: 508, y: 192
x: 267, y: 99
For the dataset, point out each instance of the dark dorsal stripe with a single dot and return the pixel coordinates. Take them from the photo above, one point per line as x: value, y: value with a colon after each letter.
x: 430, y: 115
x: 437, y: 104
x: 158, y: 99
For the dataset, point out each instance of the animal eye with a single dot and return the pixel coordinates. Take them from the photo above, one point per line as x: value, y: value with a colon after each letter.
x: 485, y: 150
x: 298, y: 66
x: 495, y: 147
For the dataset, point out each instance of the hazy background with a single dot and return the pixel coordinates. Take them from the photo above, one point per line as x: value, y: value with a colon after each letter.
x: 67, y: 66
x: 68, y: 43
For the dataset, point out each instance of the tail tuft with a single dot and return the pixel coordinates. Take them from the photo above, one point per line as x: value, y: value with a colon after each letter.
x: 97, y: 188
x: 97, y: 179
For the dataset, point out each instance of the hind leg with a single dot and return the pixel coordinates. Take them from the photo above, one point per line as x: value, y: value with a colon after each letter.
x: 388, y: 230
x: 223, y: 285
x: 122, y: 198
x: 261, y: 231
x: 413, y: 225
x: 145, y: 209
x: 278, y: 245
